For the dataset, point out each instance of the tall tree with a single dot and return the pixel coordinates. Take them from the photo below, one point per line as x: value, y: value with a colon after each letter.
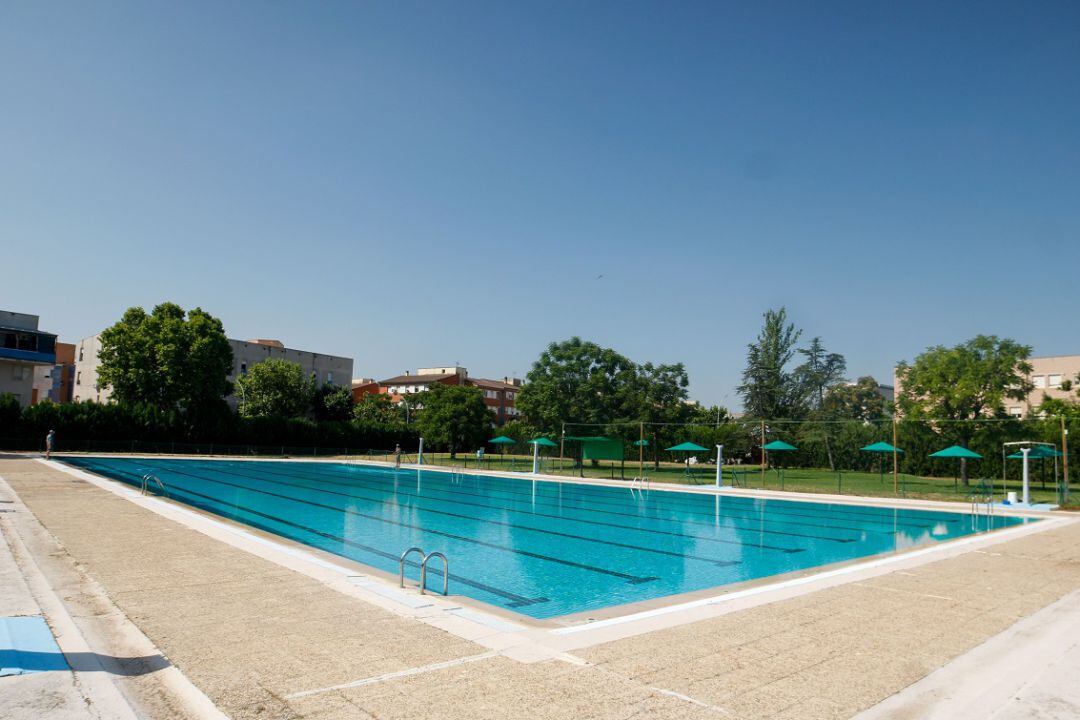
x: 965, y: 383
x: 579, y: 382
x: 820, y: 371
x: 454, y: 417
x: 168, y: 359
x: 662, y: 398
x: 768, y: 389
x: 275, y: 388
x: 859, y: 401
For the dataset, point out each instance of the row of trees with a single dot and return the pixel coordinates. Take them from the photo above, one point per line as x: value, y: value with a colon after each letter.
x: 168, y: 369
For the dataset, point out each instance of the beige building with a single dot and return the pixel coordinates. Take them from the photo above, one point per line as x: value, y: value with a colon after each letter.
x: 23, y: 349
x: 1055, y: 377
x: 324, y: 368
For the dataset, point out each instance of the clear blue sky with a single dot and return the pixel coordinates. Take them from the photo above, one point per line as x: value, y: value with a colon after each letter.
x: 414, y: 184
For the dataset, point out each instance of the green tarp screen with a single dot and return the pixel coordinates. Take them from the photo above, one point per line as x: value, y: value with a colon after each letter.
x: 599, y: 448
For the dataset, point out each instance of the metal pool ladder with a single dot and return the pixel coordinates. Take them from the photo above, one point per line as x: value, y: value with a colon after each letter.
x: 424, y: 558
x: 149, y: 478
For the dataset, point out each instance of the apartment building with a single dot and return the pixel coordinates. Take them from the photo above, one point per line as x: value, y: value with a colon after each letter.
x: 55, y: 383
x: 499, y: 395
x: 23, y: 349
x: 323, y: 368
x: 1056, y: 376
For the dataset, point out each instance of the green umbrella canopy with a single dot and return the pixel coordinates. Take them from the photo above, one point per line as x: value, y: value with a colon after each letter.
x: 955, y: 451
x: 1037, y: 453
x: 502, y: 440
x: 687, y: 447
x: 881, y: 447
x: 543, y: 442
x: 779, y: 446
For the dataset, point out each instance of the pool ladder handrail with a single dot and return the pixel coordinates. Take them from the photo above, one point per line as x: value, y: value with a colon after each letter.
x: 150, y: 477
x: 641, y: 482
x: 982, y: 495
x: 425, y: 557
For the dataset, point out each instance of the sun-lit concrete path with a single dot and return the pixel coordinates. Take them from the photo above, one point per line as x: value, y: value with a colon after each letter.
x: 264, y: 641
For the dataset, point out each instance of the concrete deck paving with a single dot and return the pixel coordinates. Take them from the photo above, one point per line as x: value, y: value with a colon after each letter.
x: 263, y: 641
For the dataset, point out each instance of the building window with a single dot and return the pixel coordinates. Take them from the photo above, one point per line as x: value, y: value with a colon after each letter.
x: 1054, y: 381
x: 80, y: 353
x: 330, y: 378
x: 243, y: 369
x: 78, y: 378
x: 1015, y: 412
x: 1038, y: 381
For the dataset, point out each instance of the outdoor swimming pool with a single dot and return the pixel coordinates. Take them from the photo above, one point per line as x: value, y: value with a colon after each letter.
x: 539, y: 548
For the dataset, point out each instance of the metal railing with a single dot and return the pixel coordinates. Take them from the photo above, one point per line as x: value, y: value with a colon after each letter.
x: 425, y: 557
x: 150, y: 478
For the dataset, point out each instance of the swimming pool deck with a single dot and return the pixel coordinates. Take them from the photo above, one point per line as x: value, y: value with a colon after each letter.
x: 264, y: 638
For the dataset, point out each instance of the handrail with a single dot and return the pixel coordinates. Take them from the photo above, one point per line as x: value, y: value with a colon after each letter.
x: 146, y: 484
x: 401, y: 568
x: 446, y: 573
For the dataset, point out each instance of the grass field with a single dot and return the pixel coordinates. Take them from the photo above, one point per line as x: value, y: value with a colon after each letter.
x: 809, y: 480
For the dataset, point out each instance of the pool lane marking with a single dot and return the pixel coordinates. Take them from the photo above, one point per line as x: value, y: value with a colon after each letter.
x: 576, y: 506
x: 878, y: 567
x: 631, y: 579
x: 674, y: 498
x: 534, y: 529
x: 516, y: 600
x: 498, y: 523
x: 452, y: 497
x: 690, y: 507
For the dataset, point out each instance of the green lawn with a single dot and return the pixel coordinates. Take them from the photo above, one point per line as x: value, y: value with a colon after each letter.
x: 809, y: 480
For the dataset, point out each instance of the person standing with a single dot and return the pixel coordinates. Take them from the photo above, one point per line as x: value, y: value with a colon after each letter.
x: 50, y: 442
x: 397, y: 455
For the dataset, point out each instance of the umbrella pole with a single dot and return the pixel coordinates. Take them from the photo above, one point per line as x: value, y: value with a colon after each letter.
x: 762, y: 453
x: 641, y: 450
x: 895, y: 459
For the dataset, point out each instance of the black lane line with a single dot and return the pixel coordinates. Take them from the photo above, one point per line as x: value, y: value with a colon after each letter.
x: 678, y: 498
x: 454, y: 494
x: 419, y: 508
x: 578, y: 506
x: 515, y: 599
x: 452, y: 497
x: 632, y: 579
x: 685, y: 503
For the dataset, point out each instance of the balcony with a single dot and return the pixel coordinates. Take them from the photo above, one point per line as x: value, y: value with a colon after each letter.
x: 29, y: 346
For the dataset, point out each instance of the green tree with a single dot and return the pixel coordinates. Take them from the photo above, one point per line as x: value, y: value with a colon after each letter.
x: 454, y: 417
x: 376, y: 409
x: 332, y: 402
x: 168, y: 359
x: 662, y: 398
x: 964, y: 384
x: 10, y: 415
x: 768, y: 389
x: 820, y: 371
x: 579, y: 382
x: 859, y: 401
x: 275, y: 388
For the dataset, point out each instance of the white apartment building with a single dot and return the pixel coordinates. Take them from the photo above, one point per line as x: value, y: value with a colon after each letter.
x: 332, y: 369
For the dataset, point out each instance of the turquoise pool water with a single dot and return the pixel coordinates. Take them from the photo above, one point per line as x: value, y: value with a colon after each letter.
x: 543, y: 549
